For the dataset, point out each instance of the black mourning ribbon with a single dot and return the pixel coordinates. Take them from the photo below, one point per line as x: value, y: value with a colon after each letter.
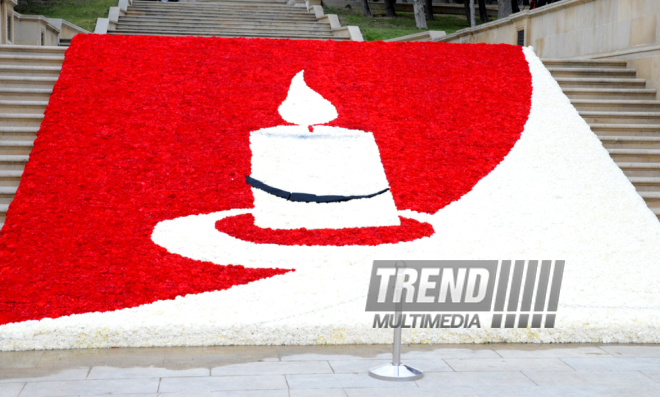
x: 304, y: 197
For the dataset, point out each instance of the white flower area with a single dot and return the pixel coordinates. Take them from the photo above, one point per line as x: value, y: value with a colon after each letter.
x: 556, y: 195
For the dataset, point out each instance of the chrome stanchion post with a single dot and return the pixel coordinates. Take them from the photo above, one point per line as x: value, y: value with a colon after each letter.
x: 396, y: 349
x: 396, y: 371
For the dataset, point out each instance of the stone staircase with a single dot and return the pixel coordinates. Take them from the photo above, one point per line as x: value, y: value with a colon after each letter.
x: 622, y: 112
x: 27, y: 77
x: 238, y: 18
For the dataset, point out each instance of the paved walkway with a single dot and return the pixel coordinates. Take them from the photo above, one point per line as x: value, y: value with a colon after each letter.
x: 450, y: 370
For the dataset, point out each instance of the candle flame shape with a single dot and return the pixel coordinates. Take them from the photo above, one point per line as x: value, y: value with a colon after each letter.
x: 304, y: 106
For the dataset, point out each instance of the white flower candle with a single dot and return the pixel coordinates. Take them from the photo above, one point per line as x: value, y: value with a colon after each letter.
x: 329, y: 161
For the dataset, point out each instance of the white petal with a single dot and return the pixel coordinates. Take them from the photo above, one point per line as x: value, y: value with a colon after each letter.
x: 303, y: 106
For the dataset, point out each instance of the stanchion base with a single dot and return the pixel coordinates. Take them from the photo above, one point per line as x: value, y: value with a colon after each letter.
x: 396, y: 373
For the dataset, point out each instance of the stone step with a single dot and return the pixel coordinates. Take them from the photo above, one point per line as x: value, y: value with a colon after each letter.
x: 626, y: 129
x: 25, y: 94
x: 32, y: 50
x: 190, y: 4
x: 29, y: 70
x: 652, y: 198
x: 265, y: 13
x: 630, y: 142
x: 229, y: 34
x: 32, y: 107
x: 286, y: 33
x: 27, y: 82
x: 14, y: 133
x: 219, y: 7
x: 215, y: 5
x: 646, y: 184
x: 611, y: 93
x: 278, y: 3
x: 593, y: 72
x: 10, y: 178
x: 200, y: 2
x: 241, y: 2
x: 20, y: 119
x: 218, y: 16
x: 571, y: 82
x: 181, y: 6
x: 7, y: 194
x: 15, y: 147
x: 584, y: 63
x: 3, y: 214
x: 635, y: 169
x: 30, y: 59
x: 238, y: 10
x: 216, y: 19
x: 234, y: 1
x: 635, y: 155
x: 621, y: 117
x: 220, y: 22
x: 237, y: 26
x: 622, y: 105
x: 13, y: 162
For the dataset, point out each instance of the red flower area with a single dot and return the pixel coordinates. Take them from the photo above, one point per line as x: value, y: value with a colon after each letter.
x: 144, y: 129
x: 242, y: 227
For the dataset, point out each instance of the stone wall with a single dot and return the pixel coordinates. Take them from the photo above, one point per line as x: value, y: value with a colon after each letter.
x: 7, y: 21
x: 35, y: 30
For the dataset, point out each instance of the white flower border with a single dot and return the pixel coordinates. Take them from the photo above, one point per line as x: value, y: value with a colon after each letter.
x: 557, y: 195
